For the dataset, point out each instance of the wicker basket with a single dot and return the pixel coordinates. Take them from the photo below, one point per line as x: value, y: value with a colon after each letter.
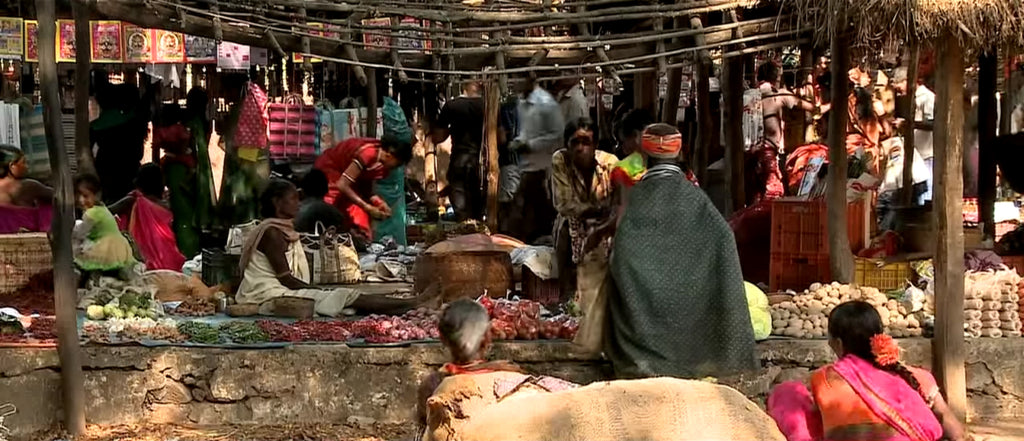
x: 465, y: 273
x: 23, y: 256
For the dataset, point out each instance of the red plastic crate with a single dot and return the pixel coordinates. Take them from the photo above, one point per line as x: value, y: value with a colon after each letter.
x: 1014, y: 262
x: 800, y: 226
x: 797, y: 272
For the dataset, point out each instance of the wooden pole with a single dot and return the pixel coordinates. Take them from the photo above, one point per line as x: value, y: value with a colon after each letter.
x: 83, y: 66
x: 705, y: 121
x: 988, y: 69
x: 732, y: 101
x: 840, y: 256
x: 492, y: 104
x: 949, y: 254
x: 65, y: 292
x: 1009, y: 90
x: 910, y: 104
x: 371, y: 103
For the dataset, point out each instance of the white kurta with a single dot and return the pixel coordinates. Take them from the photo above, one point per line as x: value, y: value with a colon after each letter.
x: 260, y: 285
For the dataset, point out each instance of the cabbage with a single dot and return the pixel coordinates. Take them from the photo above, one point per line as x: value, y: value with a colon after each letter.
x: 760, y: 315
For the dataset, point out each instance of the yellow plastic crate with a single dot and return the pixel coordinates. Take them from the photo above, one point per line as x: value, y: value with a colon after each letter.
x: 885, y: 277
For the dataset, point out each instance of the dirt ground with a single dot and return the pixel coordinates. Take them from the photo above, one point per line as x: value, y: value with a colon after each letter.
x: 980, y: 431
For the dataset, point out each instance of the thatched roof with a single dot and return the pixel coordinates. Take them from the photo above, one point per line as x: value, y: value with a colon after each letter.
x: 977, y: 24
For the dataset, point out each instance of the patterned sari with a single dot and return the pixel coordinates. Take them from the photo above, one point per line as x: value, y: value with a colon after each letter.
x: 855, y: 401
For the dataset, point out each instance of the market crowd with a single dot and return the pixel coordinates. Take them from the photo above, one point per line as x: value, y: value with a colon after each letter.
x: 638, y: 243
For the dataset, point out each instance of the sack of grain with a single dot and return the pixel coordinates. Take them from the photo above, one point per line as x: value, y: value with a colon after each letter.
x: 466, y: 407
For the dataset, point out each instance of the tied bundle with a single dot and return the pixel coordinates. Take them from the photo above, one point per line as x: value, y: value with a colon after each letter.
x: 992, y: 304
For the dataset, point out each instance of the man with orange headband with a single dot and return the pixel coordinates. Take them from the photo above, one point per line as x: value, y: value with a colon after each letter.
x: 677, y: 306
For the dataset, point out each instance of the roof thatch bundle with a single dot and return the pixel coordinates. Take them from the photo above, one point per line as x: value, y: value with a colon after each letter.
x: 977, y: 24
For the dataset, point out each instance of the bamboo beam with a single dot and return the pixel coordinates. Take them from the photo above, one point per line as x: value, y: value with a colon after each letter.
x: 371, y: 104
x: 705, y: 123
x: 65, y: 292
x: 840, y: 256
x: 584, y: 30
x: 396, y: 60
x: 499, y: 62
x: 307, y: 60
x: 218, y: 30
x: 949, y: 254
x: 988, y: 71
x: 492, y: 103
x: 351, y: 55
x: 1009, y: 90
x: 659, y: 27
x: 670, y: 107
x: 83, y: 68
x: 909, y: 149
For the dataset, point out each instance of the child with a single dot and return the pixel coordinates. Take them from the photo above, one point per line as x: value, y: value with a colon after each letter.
x: 149, y: 221
x: 99, y: 245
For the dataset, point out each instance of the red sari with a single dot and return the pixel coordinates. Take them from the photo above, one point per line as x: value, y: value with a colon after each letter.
x: 365, y: 154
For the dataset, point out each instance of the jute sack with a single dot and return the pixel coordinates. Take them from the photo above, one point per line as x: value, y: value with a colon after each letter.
x: 466, y: 408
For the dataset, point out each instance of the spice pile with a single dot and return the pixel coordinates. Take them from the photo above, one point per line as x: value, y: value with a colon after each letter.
x: 806, y: 315
x: 195, y: 307
x: 36, y: 297
x: 118, y: 330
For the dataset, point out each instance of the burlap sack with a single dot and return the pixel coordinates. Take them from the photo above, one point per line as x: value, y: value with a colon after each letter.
x: 465, y: 407
x: 592, y: 298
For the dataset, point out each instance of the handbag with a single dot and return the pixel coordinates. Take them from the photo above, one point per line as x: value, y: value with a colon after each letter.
x: 332, y: 257
x: 251, y: 130
x: 237, y: 235
x: 292, y: 129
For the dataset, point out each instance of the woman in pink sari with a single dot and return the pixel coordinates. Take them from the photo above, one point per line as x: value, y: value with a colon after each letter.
x: 145, y: 216
x: 867, y: 395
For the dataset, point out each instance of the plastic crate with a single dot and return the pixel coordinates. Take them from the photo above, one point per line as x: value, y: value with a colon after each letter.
x: 868, y: 272
x: 800, y: 226
x: 797, y: 272
x: 545, y: 292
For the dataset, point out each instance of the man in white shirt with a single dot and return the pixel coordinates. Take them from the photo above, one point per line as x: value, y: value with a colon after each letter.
x: 924, y: 123
x: 540, y: 134
x: 572, y: 100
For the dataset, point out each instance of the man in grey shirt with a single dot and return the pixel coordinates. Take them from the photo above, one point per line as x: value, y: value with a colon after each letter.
x: 540, y: 135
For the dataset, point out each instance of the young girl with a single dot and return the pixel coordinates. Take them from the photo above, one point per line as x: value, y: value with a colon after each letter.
x: 867, y: 394
x: 99, y: 245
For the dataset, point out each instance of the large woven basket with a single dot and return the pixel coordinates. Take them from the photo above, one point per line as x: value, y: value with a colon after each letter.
x: 23, y: 256
x: 465, y: 273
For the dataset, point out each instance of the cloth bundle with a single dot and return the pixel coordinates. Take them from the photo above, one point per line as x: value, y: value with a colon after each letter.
x: 992, y: 304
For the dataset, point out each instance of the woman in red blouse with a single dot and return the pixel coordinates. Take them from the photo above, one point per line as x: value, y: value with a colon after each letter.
x: 352, y: 167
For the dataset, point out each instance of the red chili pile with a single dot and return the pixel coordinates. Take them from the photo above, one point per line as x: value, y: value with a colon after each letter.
x: 43, y: 328
x: 36, y: 297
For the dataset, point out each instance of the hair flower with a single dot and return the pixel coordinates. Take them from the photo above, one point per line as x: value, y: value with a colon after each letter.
x: 885, y: 350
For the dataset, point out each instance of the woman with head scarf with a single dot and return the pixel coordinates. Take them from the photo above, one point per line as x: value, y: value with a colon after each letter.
x: 678, y: 306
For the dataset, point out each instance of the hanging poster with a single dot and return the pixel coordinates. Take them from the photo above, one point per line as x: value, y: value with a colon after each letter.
x: 376, y: 38
x: 259, y: 56
x: 106, y: 44
x: 66, y: 46
x: 413, y: 40
x: 138, y: 44
x: 297, y: 58
x: 169, y: 47
x: 231, y: 56
x: 31, y: 41
x: 12, y: 38
x: 200, y: 50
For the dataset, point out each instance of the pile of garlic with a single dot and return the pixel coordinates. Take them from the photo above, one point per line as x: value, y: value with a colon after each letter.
x: 806, y: 315
x: 991, y: 304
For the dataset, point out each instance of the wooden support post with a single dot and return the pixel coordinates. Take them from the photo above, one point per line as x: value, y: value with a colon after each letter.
x: 350, y: 53
x: 492, y: 104
x: 949, y: 348
x: 83, y: 68
x: 732, y: 100
x: 64, y: 283
x: 645, y: 91
x: 499, y: 62
x: 659, y: 47
x: 396, y: 59
x: 670, y: 107
x: 371, y: 104
x: 910, y: 104
x: 218, y: 31
x: 705, y: 121
x: 840, y: 256
x: 584, y: 30
x: 535, y: 60
x: 1009, y: 90
x: 988, y: 71
x: 307, y: 60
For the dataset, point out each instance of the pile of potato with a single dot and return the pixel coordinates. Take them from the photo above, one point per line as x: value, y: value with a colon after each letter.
x: 806, y: 315
x: 991, y: 304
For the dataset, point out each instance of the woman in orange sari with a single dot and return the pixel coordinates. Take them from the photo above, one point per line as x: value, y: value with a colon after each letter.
x: 866, y: 129
x: 867, y: 395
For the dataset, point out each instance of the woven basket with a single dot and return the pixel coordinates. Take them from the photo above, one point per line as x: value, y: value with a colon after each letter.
x: 23, y: 256
x: 465, y: 273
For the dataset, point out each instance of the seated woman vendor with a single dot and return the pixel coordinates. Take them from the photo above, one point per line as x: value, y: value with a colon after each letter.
x: 98, y: 243
x: 867, y: 394
x: 24, y: 203
x: 352, y: 167
x: 274, y: 265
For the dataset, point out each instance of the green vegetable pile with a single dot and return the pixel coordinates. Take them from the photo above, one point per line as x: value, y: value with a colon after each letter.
x: 198, y: 332
x: 244, y: 332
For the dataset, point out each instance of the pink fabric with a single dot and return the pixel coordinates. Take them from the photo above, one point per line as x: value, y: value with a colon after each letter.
x: 891, y: 398
x: 792, y: 407
x: 20, y: 219
x: 150, y: 226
